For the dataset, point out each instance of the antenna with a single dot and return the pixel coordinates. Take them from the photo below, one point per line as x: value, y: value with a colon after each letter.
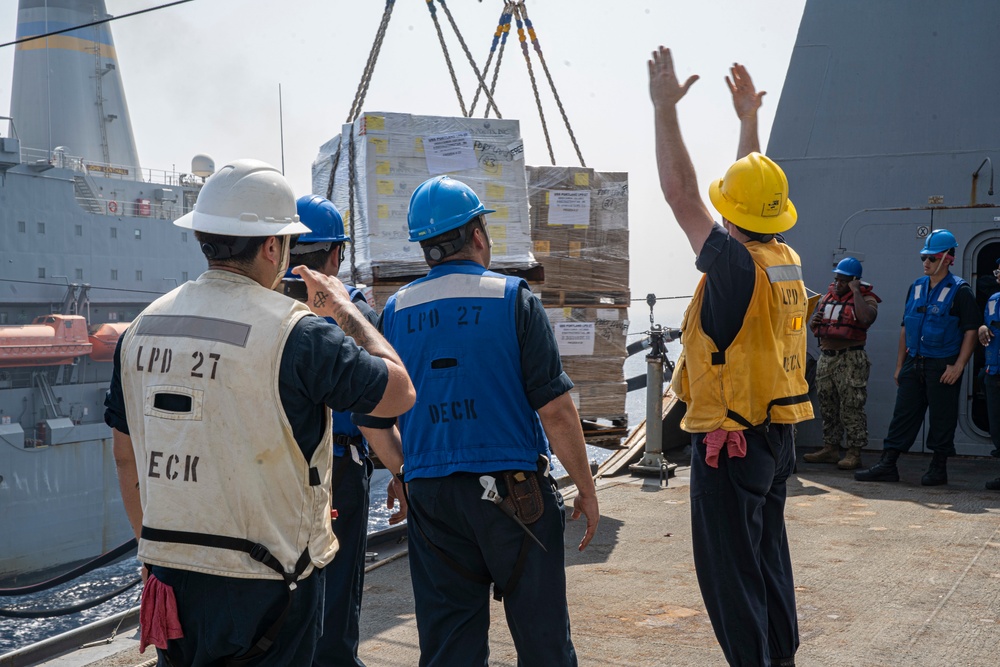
x: 281, y: 129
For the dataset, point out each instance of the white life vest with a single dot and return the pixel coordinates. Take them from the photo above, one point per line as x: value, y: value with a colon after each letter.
x: 219, y: 468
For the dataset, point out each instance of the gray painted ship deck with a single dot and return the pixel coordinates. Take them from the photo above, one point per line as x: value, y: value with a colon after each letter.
x: 886, y: 574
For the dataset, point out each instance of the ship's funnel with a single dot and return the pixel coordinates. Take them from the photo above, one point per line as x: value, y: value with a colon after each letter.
x: 67, y: 89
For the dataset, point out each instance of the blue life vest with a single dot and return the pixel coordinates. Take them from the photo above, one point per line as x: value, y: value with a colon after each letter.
x: 342, y: 424
x: 931, y: 330
x: 991, y: 318
x: 455, y: 332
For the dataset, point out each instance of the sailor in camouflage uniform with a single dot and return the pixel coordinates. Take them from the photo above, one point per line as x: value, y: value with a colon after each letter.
x: 841, y: 324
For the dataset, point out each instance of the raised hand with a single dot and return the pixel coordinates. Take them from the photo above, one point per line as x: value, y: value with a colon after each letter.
x: 664, y: 88
x: 746, y: 99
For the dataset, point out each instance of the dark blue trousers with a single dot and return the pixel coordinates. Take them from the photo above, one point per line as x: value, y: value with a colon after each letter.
x: 223, y: 617
x: 345, y: 575
x: 741, y: 549
x: 920, y: 388
x: 992, y: 385
x: 453, y: 612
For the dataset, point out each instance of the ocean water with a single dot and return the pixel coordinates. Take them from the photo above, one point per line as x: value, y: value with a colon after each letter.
x: 17, y: 633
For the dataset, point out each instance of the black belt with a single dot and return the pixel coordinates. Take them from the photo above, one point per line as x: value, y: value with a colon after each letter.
x: 345, y: 440
x: 834, y: 353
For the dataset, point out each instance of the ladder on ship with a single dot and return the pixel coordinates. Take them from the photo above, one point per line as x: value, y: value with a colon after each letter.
x: 85, y: 195
x: 41, y: 382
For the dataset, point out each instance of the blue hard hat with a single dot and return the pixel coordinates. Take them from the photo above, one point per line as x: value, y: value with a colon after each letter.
x: 940, y: 240
x: 439, y: 205
x: 848, y: 267
x: 322, y: 218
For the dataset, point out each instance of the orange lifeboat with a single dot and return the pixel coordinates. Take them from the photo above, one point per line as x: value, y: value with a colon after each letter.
x: 105, y: 339
x: 51, y: 340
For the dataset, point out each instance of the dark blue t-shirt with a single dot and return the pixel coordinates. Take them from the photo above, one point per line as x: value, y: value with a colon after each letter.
x: 731, y: 276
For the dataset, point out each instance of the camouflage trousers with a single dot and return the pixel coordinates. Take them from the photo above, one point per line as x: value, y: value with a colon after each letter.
x: 842, y: 384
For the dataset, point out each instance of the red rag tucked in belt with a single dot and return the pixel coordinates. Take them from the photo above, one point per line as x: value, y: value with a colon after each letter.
x: 734, y: 442
x: 158, y: 618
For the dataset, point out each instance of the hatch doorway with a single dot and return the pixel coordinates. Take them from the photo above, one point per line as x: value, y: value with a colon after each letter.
x: 985, y: 285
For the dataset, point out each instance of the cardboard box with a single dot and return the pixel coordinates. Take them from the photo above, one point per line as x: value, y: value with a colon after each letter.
x: 393, y: 154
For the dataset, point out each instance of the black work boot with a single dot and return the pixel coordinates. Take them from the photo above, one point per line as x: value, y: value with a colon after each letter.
x: 883, y: 471
x: 937, y: 473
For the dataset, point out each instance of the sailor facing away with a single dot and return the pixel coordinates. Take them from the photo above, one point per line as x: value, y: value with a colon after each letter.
x: 492, y: 397
x: 220, y: 404
x: 322, y: 250
x: 741, y: 375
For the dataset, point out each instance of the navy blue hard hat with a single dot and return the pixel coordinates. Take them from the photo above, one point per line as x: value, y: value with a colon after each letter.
x: 322, y: 218
x: 439, y: 205
x: 848, y: 267
x: 938, y: 241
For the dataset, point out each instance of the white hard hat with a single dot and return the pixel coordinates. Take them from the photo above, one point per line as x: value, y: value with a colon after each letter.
x: 245, y: 198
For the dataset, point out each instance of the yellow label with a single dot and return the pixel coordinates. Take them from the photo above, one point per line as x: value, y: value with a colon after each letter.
x: 382, y: 168
x: 381, y: 144
x: 418, y: 145
x: 502, y: 213
x: 581, y: 178
x: 546, y: 197
x: 567, y: 313
x: 574, y: 248
x: 542, y: 248
x: 494, y: 191
x: 498, y: 232
x: 499, y: 248
x: 384, y: 187
x: 375, y: 122
x: 383, y: 211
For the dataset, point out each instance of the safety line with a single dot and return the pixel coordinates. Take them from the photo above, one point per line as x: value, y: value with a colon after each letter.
x: 93, y: 23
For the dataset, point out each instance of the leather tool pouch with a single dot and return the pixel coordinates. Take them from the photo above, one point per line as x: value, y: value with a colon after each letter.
x: 524, y: 495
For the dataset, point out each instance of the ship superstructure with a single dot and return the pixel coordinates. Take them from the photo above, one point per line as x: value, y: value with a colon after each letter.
x: 887, y: 130
x: 88, y: 241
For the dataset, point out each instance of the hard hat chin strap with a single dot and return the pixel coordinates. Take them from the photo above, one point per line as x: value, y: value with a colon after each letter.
x: 283, y: 264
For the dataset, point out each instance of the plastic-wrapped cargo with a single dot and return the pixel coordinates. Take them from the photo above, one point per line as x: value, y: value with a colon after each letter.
x: 579, y: 230
x: 394, y: 153
x: 592, y: 348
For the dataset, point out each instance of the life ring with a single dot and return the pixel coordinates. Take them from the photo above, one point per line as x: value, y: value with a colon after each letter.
x: 113, y: 206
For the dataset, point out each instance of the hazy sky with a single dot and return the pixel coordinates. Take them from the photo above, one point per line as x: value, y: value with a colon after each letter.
x: 203, y: 78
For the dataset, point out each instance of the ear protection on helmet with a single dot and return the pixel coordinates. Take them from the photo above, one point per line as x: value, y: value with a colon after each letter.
x: 220, y: 251
x: 442, y: 249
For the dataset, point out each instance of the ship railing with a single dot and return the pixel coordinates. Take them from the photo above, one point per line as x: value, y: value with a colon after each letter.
x: 144, y: 208
x: 35, y: 156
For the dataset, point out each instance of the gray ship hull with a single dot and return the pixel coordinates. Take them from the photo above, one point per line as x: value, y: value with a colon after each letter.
x: 66, y: 252
x: 884, y: 118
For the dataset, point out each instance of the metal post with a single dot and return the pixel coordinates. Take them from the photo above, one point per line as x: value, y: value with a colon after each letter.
x: 653, y: 462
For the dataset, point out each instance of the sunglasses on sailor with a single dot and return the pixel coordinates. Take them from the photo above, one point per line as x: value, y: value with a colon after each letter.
x: 933, y: 259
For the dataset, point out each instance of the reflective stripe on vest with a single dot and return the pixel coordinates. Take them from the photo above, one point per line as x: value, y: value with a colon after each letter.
x: 760, y: 378
x: 931, y: 329
x: 455, y: 331
x: 991, y: 318
x: 839, y: 319
x: 200, y: 383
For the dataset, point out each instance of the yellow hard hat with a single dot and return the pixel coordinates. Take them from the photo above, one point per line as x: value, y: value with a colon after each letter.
x: 754, y: 195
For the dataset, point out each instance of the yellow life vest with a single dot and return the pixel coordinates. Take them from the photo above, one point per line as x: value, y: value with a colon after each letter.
x: 219, y: 468
x: 760, y: 377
